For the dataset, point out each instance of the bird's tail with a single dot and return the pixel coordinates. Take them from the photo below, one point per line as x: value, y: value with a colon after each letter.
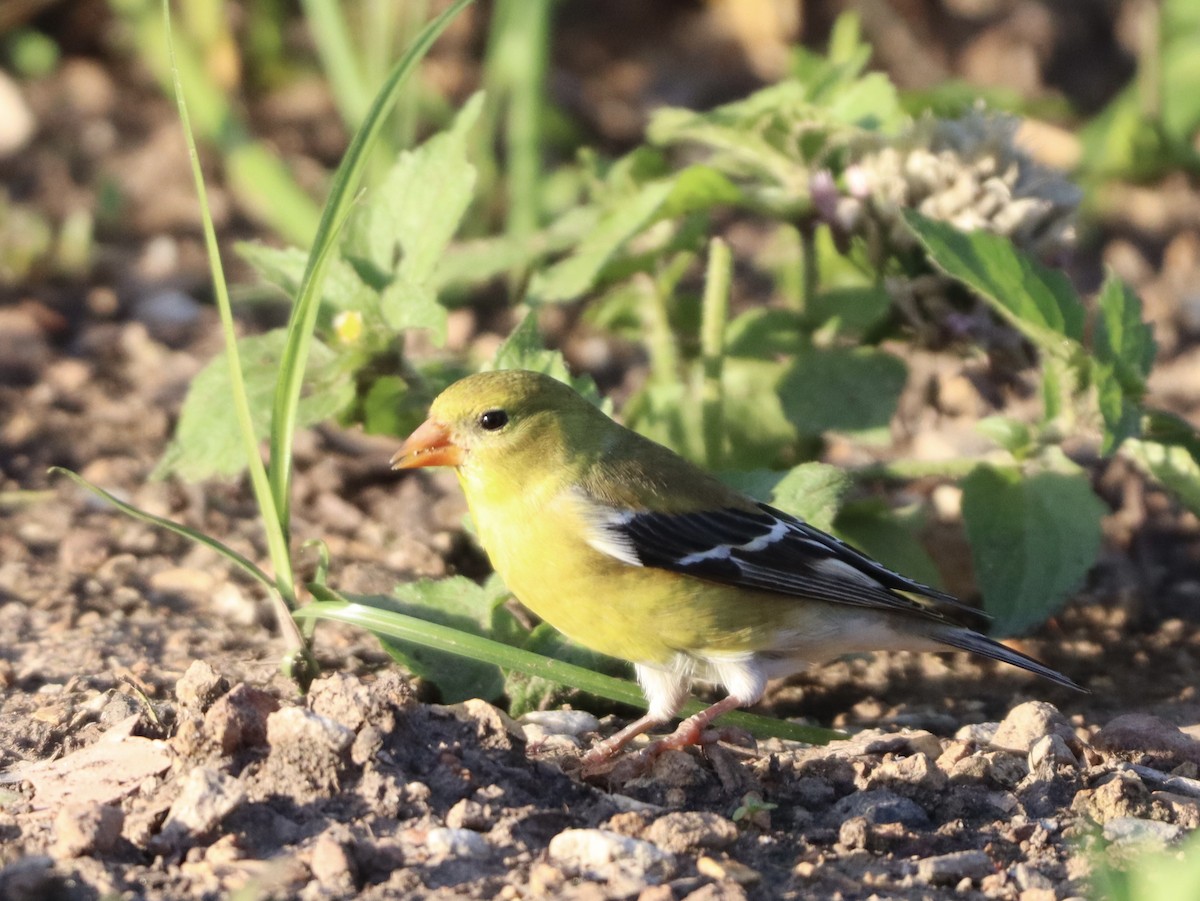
x: 967, y: 640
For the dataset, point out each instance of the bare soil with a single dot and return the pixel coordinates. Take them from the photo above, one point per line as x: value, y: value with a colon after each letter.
x: 150, y: 747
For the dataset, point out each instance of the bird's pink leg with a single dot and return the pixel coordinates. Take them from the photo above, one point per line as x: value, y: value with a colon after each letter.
x: 690, y: 732
x: 603, y: 750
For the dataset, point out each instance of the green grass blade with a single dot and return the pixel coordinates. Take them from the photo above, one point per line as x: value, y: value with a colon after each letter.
x: 433, y: 635
x: 327, y: 25
x: 277, y: 545
x: 245, y: 565
x: 337, y: 208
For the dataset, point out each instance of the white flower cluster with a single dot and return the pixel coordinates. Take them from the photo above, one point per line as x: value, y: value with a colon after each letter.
x: 968, y: 172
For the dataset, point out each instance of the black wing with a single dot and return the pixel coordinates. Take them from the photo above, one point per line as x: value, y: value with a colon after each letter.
x: 770, y: 550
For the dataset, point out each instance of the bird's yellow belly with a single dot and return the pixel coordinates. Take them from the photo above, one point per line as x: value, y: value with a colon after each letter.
x: 636, y: 613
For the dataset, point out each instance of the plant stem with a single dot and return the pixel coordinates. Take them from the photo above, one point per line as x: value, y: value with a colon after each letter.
x: 714, y: 313
x: 808, y: 260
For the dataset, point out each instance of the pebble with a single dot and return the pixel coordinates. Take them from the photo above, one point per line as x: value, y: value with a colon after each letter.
x: 950, y: 869
x: 85, y: 829
x: 1146, y: 734
x: 16, y: 119
x: 239, y: 719
x: 303, y: 728
x: 445, y: 841
x: 600, y: 854
x: 1049, y: 753
x: 727, y: 869
x: 979, y: 733
x: 560, y: 722
x: 340, y: 697
x: 1028, y: 722
x: 200, y: 686
x: 332, y: 866
x: 880, y: 806
x: 1139, y: 831
x: 205, y: 799
x: 469, y: 814
x: 692, y: 829
x: 1121, y: 796
x: 906, y: 774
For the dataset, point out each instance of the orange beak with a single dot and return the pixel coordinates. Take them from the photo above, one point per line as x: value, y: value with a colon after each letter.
x: 429, y: 445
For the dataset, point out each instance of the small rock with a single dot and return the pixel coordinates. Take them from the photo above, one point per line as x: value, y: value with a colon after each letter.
x: 1143, y: 734
x: 444, y: 842
x: 677, y: 769
x: 908, y: 775
x: 1038, y: 894
x: 813, y: 792
x: 1027, y: 877
x: 1184, y: 810
x: 600, y: 854
x: 855, y: 834
x: 950, y: 869
x: 1028, y: 722
x: 182, y: 580
x: 303, y: 728
x: 727, y: 869
x: 1122, y: 796
x: 468, y: 814
x: 206, y: 798
x: 332, y: 866
x: 716, y: 891
x: 1048, y: 754
x: 999, y: 769
x: 168, y: 315
x: 239, y: 719
x: 200, y: 686
x: 33, y: 878
x: 879, y: 806
x: 561, y: 722
x: 340, y: 697
x: 16, y: 119
x: 689, y: 830
x: 978, y: 733
x: 1138, y: 831
x: 86, y: 829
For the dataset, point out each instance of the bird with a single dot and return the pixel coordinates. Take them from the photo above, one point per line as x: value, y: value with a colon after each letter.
x: 630, y: 550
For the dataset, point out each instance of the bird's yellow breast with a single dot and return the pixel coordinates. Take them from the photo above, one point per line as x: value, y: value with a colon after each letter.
x: 536, y: 539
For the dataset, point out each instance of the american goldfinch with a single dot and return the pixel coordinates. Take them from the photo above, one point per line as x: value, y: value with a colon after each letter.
x: 632, y: 551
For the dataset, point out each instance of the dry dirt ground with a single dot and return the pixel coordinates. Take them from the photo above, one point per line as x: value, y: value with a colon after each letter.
x: 149, y: 747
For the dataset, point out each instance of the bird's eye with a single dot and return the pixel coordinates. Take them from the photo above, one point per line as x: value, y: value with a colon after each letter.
x: 492, y: 420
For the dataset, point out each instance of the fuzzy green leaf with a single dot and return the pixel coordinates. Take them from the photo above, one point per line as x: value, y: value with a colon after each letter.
x: 1038, y: 301
x: 207, y: 441
x: 1123, y: 354
x: 1034, y: 536
x: 842, y: 389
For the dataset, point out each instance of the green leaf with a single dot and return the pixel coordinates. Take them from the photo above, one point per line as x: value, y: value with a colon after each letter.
x: 1171, y: 465
x: 524, y: 349
x: 462, y: 604
x: 811, y: 491
x: 758, y: 426
x: 843, y: 389
x: 890, y: 536
x: 343, y: 288
x: 1033, y: 537
x: 1123, y: 354
x: 1037, y: 300
x: 207, y: 441
x: 410, y: 220
x: 1011, y: 434
x: 578, y: 273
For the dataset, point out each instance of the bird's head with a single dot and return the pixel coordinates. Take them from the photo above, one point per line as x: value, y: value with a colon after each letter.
x: 495, y: 419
